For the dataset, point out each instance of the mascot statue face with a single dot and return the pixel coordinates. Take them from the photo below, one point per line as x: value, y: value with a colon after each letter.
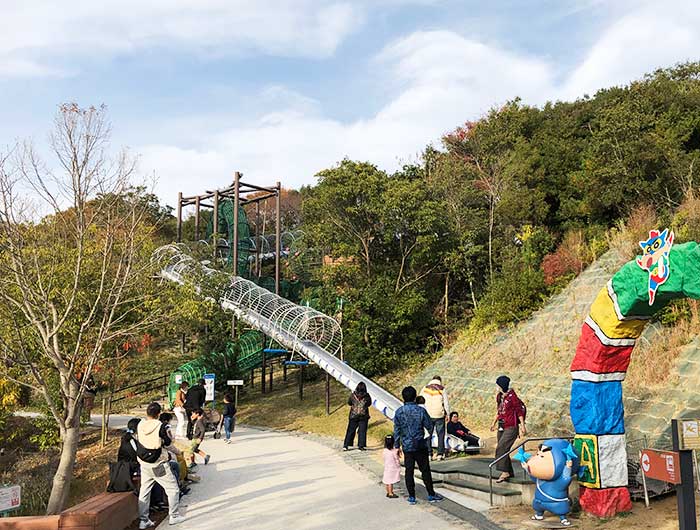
x: 541, y: 465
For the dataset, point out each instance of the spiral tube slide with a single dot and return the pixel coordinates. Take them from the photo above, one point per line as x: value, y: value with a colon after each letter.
x: 303, y: 330
x: 616, y: 320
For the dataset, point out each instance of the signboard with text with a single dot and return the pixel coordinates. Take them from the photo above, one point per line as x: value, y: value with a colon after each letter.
x: 10, y: 498
x: 689, y: 433
x: 661, y: 465
x: 235, y: 382
x: 209, y: 386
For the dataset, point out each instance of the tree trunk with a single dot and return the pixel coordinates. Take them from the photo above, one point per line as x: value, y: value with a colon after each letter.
x: 447, y: 295
x: 64, y: 473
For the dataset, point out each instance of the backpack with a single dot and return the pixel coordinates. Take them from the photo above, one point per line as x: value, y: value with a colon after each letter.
x: 120, y: 477
x: 358, y: 406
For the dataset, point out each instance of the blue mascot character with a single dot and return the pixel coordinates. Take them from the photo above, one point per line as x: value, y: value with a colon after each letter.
x: 552, y: 469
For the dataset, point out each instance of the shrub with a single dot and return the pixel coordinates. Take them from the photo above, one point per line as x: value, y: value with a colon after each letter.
x: 48, y: 435
x: 513, y: 295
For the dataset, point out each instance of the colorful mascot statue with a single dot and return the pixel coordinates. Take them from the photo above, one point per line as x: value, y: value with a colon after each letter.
x: 552, y: 469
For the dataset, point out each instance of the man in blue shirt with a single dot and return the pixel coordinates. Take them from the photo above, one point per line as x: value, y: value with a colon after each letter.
x: 410, y: 421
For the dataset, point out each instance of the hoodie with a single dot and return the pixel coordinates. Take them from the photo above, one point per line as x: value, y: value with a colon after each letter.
x: 436, y: 402
x: 153, y: 434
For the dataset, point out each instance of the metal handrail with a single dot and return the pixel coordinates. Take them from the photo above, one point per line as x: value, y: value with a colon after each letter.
x: 514, y: 449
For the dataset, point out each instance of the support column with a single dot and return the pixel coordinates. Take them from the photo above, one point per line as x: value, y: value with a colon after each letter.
x: 271, y: 370
x: 278, y: 237
x: 328, y: 394
x: 252, y: 378
x: 258, y: 240
x: 284, y: 372
x: 301, y: 383
x: 179, y: 217
x: 216, y: 222
x: 196, y: 218
x: 262, y: 372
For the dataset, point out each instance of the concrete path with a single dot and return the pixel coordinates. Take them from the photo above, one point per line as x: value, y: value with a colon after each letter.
x: 270, y: 481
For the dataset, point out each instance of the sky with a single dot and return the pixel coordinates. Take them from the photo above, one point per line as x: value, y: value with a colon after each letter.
x: 282, y: 89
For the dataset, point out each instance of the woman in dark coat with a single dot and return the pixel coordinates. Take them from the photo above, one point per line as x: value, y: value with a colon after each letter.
x: 360, y: 402
x: 510, y: 422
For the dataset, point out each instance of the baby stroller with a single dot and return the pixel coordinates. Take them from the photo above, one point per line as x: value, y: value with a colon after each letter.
x: 213, y: 421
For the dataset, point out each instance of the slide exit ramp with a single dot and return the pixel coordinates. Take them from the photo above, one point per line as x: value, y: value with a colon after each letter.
x: 303, y: 330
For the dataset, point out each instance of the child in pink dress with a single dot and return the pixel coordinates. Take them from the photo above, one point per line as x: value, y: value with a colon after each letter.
x: 392, y: 466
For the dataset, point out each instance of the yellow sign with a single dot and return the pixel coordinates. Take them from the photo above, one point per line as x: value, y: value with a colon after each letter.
x: 689, y: 434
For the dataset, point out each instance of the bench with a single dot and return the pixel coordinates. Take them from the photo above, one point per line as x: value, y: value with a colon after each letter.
x: 44, y: 522
x: 106, y: 511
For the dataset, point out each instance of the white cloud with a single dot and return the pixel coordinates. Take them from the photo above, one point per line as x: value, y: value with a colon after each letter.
x: 654, y: 35
x: 35, y: 35
x: 435, y: 80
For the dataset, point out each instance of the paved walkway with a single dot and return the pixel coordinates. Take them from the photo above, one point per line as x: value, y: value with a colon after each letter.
x: 268, y: 481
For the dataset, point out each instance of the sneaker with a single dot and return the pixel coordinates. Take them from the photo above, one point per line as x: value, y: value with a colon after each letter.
x: 147, y: 524
x: 363, y: 448
x: 184, y: 490
x: 177, y: 519
x: 565, y: 522
x: 345, y: 449
x: 392, y: 496
x: 412, y: 501
x: 435, y: 498
x: 227, y: 441
x: 441, y: 457
x: 206, y: 459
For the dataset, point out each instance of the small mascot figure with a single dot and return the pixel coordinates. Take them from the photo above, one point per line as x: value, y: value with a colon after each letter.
x: 551, y: 469
x: 655, y: 259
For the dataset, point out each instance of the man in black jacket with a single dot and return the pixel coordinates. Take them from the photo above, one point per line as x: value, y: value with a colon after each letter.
x: 194, y: 400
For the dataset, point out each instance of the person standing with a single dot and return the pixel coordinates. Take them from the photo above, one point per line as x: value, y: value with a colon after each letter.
x: 438, y: 407
x: 409, y: 422
x: 153, y: 458
x: 510, y: 422
x: 179, y: 409
x: 194, y: 400
x: 360, y: 402
x: 392, y: 466
x: 229, y: 417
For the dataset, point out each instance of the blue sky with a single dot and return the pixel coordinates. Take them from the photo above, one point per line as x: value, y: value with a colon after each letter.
x: 280, y: 89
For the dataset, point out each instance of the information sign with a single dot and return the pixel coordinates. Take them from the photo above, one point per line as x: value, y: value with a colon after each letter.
x: 689, y: 434
x: 661, y: 465
x: 10, y: 497
x: 209, y: 386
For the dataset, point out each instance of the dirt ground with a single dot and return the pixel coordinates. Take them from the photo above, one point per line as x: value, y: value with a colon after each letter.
x: 661, y: 515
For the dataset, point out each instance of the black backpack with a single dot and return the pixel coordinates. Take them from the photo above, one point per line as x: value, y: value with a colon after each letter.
x: 120, y: 477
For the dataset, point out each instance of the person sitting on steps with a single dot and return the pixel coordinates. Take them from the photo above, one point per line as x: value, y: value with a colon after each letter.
x: 457, y: 429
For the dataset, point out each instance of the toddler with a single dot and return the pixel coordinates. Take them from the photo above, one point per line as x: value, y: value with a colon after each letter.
x: 392, y: 466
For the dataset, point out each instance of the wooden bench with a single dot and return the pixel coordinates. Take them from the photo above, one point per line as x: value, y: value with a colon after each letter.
x: 44, y: 522
x: 106, y: 511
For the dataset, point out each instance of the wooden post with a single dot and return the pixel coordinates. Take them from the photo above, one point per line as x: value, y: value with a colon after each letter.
x: 685, y: 491
x: 301, y: 383
x: 196, y: 218
x: 278, y: 237
x: 258, y: 240
x: 103, y: 431
x: 284, y: 372
x: 179, y: 217
x: 235, y: 402
x: 236, y: 198
x: 271, y: 364
x: 328, y: 394
x: 215, y: 233
x: 252, y: 378
x: 262, y: 372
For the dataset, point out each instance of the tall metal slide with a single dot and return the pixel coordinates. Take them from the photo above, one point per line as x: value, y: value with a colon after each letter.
x: 303, y: 330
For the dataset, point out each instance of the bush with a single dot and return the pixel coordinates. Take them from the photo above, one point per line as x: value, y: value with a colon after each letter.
x: 512, y: 296
x: 48, y: 435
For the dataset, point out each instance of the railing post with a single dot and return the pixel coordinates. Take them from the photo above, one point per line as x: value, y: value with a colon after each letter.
x: 271, y: 370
